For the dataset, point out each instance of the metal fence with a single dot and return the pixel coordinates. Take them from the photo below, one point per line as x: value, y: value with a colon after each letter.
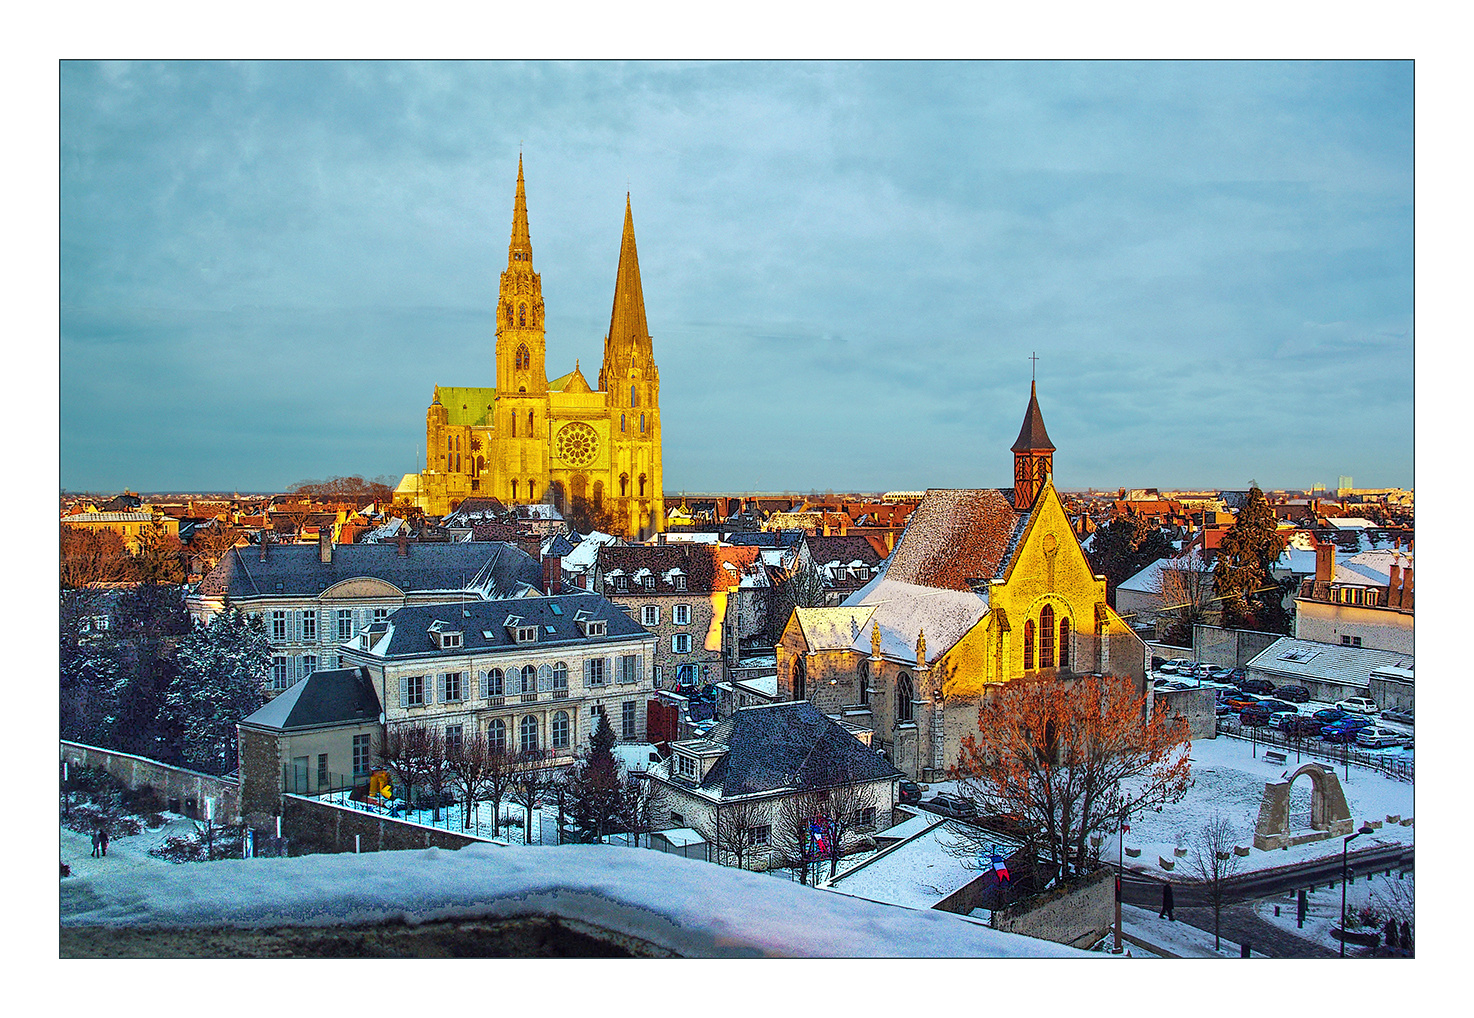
x: 1314, y: 749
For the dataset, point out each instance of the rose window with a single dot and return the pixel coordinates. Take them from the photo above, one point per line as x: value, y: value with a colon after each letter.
x: 577, y: 444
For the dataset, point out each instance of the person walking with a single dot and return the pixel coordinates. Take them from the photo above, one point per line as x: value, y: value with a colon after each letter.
x: 1166, y: 912
x: 102, y: 838
x: 96, y: 840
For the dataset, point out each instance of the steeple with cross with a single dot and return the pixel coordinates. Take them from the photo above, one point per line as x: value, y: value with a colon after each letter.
x: 1033, y: 452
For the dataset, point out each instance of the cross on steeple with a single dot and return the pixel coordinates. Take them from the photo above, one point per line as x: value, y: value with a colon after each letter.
x: 1033, y: 366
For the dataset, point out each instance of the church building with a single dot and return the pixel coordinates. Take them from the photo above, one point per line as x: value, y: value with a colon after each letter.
x: 985, y: 586
x: 527, y: 439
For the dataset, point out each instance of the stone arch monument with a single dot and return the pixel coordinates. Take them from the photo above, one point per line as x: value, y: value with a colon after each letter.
x: 1329, y: 815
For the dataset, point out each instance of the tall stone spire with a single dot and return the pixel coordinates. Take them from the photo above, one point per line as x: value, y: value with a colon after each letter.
x: 627, y: 350
x: 1033, y: 455
x: 521, y: 244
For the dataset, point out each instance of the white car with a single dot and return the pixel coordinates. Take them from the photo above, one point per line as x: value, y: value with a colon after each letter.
x: 1358, y: 705
x: 1376, y: 738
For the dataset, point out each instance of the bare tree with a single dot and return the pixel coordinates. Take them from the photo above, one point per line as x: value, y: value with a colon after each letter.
x: 531, y: 777
x: 1214, y: 862
x: 793, y: 830
x: 1393, y: 898
x: 644, y: 808
x: 500, y: 769
x: 850, y: 807
x: 297, y: 513
x: 211, y: 542
x: 437, y: 768
x: 404, y: 753
x: 1184, y: 597
x: 469, y: 761
x: 91, y: 555
x: 729, y: 829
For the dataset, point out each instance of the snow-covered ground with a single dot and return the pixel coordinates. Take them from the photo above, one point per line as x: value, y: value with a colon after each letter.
x: 1325, y: 906
x: 485, y: 823
x: 1176, y: 939
x: 123, y: 854
x: 692, y: 908
x: 1229, y: 779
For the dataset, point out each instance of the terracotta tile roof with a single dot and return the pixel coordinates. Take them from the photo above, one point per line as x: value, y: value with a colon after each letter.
x: 956, y: 535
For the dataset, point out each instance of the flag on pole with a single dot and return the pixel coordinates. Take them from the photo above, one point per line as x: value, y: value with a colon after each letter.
x: 1000, y: 869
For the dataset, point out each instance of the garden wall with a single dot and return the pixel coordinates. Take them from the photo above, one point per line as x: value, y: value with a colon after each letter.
x: 1079, y: 916
x: 185, y: 791
x: 315, y: 826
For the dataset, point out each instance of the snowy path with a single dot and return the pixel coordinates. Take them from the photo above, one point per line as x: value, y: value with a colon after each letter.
x: 122, y: 853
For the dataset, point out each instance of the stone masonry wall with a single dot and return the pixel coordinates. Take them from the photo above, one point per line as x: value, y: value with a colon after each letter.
x: 325, y: 827
x: 190, y: 788
x: 1079, y: 917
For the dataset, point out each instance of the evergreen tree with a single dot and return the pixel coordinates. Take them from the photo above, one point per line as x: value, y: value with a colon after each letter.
x: 160, y: 556
x: 222, y: 669
x: 1243, y: 574
x: 596, y: 788
x: 91, y: 669
x: 1124, y: 547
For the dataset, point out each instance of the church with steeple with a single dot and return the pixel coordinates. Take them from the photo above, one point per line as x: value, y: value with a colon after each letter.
x: 527, y: 439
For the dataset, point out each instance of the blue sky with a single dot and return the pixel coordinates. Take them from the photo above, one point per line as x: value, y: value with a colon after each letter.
x: 265, y: 268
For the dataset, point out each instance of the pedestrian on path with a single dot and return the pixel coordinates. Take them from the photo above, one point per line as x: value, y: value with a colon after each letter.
x: 1166, y: 912
x: 96, y: 840
x: 102, y: 837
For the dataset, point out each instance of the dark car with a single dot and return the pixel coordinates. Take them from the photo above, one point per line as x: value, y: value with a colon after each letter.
x: 1330, y: 715
x: 1295, y: 694
x: 1300, y: 725
x: 1345, y: 730
x: 1400, y: 716
x: 1274, y: 706
x: 1257, y: 686
x: 910, y: 792
x: 956, y: 806
x: 1254, y: 717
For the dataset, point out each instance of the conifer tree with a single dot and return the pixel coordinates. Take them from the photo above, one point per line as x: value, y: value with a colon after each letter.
x: 596, y: 788
x: 222, y: 671
x: 1243, y: 574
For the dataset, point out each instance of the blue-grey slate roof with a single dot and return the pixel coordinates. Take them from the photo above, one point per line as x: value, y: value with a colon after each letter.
x: 789, y: 745
x: 295, y: 570
x: 337, y: 696
x: 556, y: 618
x: 768, y: 539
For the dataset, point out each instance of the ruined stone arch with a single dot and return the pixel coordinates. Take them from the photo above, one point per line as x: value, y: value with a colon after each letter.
x: 1330, y: 816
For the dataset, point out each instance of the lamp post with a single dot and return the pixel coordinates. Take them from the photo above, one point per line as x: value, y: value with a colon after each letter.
x: 1365, y: 828
x: 1120, y: 853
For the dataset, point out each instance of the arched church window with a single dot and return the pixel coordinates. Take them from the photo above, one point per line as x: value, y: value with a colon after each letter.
x: 1046, y: 637
x: 1028, y: 645
x: 621, y: 422
x: 864, y: 676
x: 514, y: 424
x: 800, y: 677
x: 531, y: 491
x: 642, y: 424
x: 514, y: 490
x: 642, y: 485
x: 524, y: 359
x: 458, y: 462
x: 905, y: 694
x: 521, y: 315
x: 1064, y: 643
x: 624, y: 485
x: 634, y: 400
x: 450, y: 445
x: 530, y: 432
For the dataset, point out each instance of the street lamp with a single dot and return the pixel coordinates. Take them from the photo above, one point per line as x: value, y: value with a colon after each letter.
x: 1366, y: 828
x: 1120, y: 849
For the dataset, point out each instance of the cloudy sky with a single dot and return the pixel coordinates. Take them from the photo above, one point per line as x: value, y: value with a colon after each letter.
x: 265, y: 268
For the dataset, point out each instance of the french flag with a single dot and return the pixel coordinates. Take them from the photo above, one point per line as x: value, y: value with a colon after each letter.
x: 1000, y: 869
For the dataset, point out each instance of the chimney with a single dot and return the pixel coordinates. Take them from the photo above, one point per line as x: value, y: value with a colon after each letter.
x: 325, y: 545
x: 1407, y: 589
x: 403, y: 540
x: 825, y: 518
x: 552, y: 574
x: 890, y: 541
x: 844, y: 527
x: 1325, y: 562
x: 263, y: 546
x: 1394, y: 586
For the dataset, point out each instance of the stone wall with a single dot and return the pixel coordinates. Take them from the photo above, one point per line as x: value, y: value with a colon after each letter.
x: 1229, y: 648
x: 1078, y: 916
x: 1391, y: 694
x: 324, y: 827
x: 1196, y: 705
x: 185, y: 791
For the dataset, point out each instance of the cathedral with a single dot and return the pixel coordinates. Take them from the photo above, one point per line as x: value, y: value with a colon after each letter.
x: 528, y: 439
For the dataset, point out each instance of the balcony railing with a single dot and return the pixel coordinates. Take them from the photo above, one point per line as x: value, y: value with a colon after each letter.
x: 529, y: 698
x: 495, y: 701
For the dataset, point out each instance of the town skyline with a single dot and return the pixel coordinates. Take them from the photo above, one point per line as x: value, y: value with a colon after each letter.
x: 1212, y: 262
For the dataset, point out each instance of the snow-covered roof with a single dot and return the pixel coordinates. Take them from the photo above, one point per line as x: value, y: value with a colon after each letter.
x: 1371, y: 568
x: 1348, y: 522
x: 719, y: 911
x: 904, y: 610
x: 834, y: 628
x: 917, y: 872
x: 1308, y: 659
x: 682, y: 836
x: 767, y: 685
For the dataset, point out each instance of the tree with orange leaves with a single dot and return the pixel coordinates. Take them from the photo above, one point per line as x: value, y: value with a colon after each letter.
x: 1061, y: 759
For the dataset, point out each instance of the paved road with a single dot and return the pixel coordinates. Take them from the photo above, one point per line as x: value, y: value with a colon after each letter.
x: 1147, y: 890
x: 1239, y: 925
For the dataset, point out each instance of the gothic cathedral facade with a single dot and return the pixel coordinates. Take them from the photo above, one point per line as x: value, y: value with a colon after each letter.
x: 530, y: 440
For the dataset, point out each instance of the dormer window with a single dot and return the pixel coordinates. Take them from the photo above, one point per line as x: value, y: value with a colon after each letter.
x: 519, y: 631
x: 445, y: 637
x: 686, y: 765
x: 679, y: 581
x: 621, y: 583
x: 591, y: 626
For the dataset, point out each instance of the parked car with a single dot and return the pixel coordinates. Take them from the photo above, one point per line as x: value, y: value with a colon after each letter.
x: 1344, y: 730
x: 1299, y: 724
x: 1236, y: 675
x: 910, y: 792
x: 1241, y: 701
x: 1283, y: 720
x: 1329, y: 714
x: 1221, y: 674
x: 1222, y: 709
x: 1183, y: 664
x: 1358, y: 705
x: 1165, y: 668
x: 1254, y: 717
x: 1203, y: 671
x: 1257, y: 686
x: 1295, y: 694
x: 1278, y: 706
x: 1403, y: 717
x: 955, y: 806
x: 1375, y: 737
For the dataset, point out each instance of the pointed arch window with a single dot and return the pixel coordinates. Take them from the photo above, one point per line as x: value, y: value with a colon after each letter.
x: 524, y: 359
x: 800, y: 677
x: 905, y: 694
x: 864, y: 683
x: 621, y: 422
x: 1046, y: 637
x: 458, y: 462
x: 514, y: 424
x: 1028, y: 645
x: 624, y: 485
x: 1064, y: 643
x: 634, y: 399
x: 514, y: 490
x: 642, y: 485
x: 521, y: 315
x: 642, y: 424
x: 530, y: 431
x: 531, y: 491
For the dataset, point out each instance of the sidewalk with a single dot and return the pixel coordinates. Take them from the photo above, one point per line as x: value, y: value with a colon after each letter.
x: 1141, y: 929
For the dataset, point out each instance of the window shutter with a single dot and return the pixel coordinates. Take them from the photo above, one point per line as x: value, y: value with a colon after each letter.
x: 481, y: 685
x: 609, y: 664
x: 440, y: 688
x: 588, y: 672
x: 544, y: 678
x: 403, y: 691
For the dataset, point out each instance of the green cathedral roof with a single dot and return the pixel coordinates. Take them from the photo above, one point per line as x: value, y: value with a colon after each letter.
x: 466, y: 405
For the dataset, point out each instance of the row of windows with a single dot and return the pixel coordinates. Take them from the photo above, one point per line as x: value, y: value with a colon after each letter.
x: 454, y: 687
x: 287, y: 671
x: 642, y: 431
x: 678, y: 581
x: 1050, y: 654
x: 528, y: 730
x: 342, y: 623
x: 680, y: 615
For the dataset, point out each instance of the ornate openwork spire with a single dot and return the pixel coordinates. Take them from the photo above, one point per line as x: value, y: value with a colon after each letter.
x: 520, y: 248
